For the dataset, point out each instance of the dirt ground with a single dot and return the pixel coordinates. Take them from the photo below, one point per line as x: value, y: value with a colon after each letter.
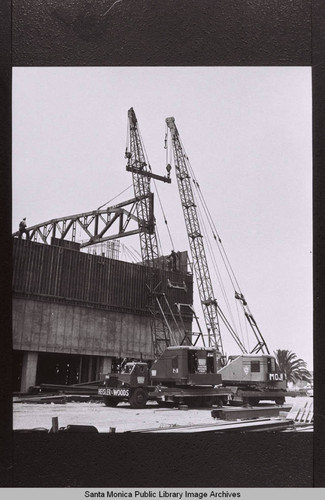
x: 122, y: 418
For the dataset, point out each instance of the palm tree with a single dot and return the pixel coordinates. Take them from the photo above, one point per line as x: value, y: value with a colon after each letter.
x: 294, y: 368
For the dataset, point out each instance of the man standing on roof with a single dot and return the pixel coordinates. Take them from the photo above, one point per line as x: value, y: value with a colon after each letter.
x: 22, y: 229
x: 173, y: 259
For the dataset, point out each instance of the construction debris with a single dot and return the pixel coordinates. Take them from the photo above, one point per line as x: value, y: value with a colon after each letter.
x: 54, y: 398
x: 302, y: 412
x: 265, y: 424
x: 245, y: 413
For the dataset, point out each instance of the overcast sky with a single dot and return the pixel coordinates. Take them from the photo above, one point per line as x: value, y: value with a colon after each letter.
x: 248, y: 135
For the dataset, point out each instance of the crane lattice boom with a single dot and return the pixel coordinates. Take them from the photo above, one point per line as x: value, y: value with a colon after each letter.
x: 141, y: 183
x: 208, y: 301
x: 211, y: 310
x: 141, y: 174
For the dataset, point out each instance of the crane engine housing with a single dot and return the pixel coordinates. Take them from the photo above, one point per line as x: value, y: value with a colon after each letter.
x: 186, y: 365
x: 254, y: 377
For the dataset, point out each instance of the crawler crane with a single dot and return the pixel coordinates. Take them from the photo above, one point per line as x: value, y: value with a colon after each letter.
x: 180, y: 373
x: 252, y: 376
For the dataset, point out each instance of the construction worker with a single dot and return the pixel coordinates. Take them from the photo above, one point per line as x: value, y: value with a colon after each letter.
x: 173, y: 259
x: 22, y: 229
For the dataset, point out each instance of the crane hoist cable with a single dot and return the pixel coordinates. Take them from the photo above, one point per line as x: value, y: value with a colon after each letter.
x: 160, y: 249
x: 238, y: 294
x: 134, y: 258
x: 214, y: 231
x: 144, y: 150
x: 261, y: 344
x: 219, y: 244
x: 136, y: 253
x: 160, y: 203
x: 244, y: 340
x: 183, y: 168
x: 159, y: 199
x: 215, y: 264
x: 159, y: 243
x: 167, y: 147
x: 164, y: 215
x: 229, y: 269
x: 131, y: 185
x: 215, y: 234
x: 216, y: 267
x: 201, y: 202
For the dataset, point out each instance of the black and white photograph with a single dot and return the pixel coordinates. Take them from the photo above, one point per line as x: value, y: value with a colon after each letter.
x: 158, y: 278
x: 164, y: 209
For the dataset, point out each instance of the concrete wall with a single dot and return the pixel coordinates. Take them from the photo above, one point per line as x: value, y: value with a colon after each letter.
x: 51, y: 327
x: 69, y: 302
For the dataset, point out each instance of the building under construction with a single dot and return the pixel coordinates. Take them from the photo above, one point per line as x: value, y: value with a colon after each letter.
x: 77, y: 315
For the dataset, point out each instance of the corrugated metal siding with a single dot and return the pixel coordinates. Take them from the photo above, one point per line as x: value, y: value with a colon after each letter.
x: 63, y: 275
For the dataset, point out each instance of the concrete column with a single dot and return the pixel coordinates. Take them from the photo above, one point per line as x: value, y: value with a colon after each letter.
x: 105, y: 366
x: 90, y: 368
x: 28, y: 374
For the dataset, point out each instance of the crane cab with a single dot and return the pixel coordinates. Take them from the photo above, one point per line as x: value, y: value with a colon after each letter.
x: 186, y: 365
x: 250, y: 369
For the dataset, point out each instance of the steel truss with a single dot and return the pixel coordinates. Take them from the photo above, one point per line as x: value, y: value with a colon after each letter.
x: 94, y: 225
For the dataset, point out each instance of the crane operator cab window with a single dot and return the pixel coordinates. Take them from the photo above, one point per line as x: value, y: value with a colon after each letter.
x: 200, y: 362
x: 192, y: 361
x: 128, y: 368
x: 270, y: 365
x: 141, y: 369
x: 210, y: 362
x: 255, y: 366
